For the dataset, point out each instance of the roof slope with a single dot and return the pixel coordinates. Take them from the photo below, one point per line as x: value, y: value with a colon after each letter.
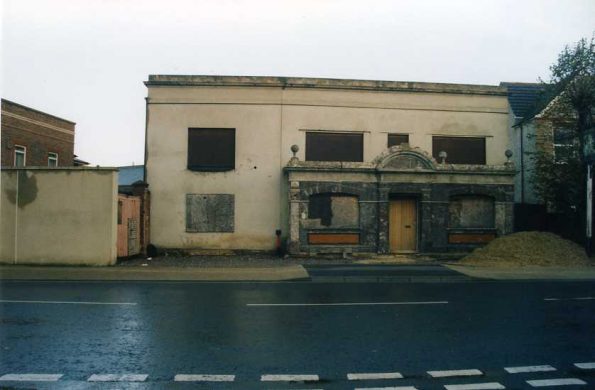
x: 524, y: 97
x: 130, y: 174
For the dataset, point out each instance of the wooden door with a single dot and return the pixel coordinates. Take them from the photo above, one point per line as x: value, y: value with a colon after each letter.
x: 128, y: 225
x: 403, y: 225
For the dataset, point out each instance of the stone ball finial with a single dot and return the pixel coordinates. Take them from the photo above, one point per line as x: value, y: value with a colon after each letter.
x: 294, y: 150
x: 508, y: 154
x: 442, y: 155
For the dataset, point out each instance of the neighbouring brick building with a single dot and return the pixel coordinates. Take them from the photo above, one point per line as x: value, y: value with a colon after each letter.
x: 35, y: 138
x: 330, y: 165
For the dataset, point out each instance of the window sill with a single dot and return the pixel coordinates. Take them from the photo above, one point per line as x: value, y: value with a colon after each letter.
x: 210, y: 169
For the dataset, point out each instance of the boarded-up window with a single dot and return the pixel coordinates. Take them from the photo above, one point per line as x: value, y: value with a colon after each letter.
x: 206, y: 213
x: 397, y: 139
x: 334, y: 210
x: 211, y: 149
x: 471, y: 211
x: 334, y: 147
x: 460, y: 150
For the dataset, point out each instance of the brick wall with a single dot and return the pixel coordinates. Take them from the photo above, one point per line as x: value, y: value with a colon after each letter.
x: 40, y: 133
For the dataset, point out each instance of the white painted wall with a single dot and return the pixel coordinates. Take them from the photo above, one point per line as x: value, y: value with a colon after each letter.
x: 268, y: 120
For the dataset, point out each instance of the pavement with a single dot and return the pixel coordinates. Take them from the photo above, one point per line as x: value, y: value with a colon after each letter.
x: 139, y: 273
x: 250, y: 268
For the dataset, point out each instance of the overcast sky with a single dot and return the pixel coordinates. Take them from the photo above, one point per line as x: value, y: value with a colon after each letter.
x: 86, y: 60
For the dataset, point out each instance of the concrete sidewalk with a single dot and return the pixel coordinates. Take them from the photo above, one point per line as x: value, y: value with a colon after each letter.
x: 280, y: 273
x: 525, y: 273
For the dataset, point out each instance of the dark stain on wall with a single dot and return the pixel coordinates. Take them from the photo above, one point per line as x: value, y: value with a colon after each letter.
x: 27, y: 189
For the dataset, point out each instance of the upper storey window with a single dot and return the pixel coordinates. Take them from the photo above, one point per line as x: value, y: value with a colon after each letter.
x: 52, y: 159
x: 326, y: 146
x: 211, y: 149
x: 397, y: 139
x: 20, y: 156
x: 460, y: 150
x: 565, y: 145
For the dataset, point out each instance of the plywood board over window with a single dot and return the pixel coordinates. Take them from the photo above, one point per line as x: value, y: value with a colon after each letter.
x: 460, y: 150
x: 210, y: 213
x: 471, y: 211
x: 333, y: 210
x: 211, y: 149
x: 329, y: 146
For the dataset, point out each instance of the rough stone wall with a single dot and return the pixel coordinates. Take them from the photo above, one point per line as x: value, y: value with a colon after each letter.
x: 433, y: 217
x: 39, y: 133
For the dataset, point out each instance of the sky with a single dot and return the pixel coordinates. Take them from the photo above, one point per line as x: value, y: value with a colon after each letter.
x: 86, y: 60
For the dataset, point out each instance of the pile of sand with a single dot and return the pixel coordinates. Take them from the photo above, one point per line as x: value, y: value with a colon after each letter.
x: 528, y: 248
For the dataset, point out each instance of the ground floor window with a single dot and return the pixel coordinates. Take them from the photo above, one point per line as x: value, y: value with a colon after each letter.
x: 334, y: 210
x: 471, y: 211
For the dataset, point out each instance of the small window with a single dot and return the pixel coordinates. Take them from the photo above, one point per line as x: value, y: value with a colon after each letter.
x: 211, y: 149
x: 397, y: 139
x: 334, y: 147
x: 52, y: 159
x: 20, y: 156
x: 565, y: 145
x: 460, y: 150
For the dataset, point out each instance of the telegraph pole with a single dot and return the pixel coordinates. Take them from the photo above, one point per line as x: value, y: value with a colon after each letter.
x: 589, y: 211
x: 588, y: 146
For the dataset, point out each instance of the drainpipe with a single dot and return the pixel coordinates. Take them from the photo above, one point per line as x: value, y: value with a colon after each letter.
x: 522, y: 167
x: 146, y: 139
x: 16, y: 220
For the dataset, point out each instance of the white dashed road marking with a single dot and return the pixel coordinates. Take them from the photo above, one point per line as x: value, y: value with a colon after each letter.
x: 289, y: 378
x: 476, y: 386
x: 570, y: 299
x: 31, y: 377
x: 348, y: 304
x: 204, y: 378
x: 70, y: 302
x: 374, y: 375
x: 387, y: 388
x: 586, y: 366
x: 556, y: 382
x: 444, y: 374
x: 117, y: 378
x: 516, y: 370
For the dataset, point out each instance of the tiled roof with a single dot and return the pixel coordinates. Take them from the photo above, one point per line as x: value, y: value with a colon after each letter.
x: 523, y: 97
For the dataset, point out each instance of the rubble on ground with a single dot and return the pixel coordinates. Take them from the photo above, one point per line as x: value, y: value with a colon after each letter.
x: 529, y: 248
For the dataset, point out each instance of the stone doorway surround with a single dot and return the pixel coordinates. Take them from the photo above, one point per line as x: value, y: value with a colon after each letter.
x: 399, y: 170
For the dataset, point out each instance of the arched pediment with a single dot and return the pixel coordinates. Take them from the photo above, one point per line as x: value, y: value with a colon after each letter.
x: 405, y: 158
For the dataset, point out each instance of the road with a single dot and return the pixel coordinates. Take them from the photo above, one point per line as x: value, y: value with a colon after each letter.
x: 85, y: 333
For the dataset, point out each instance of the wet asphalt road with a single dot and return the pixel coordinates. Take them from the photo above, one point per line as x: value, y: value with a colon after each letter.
x: 162, y: 329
